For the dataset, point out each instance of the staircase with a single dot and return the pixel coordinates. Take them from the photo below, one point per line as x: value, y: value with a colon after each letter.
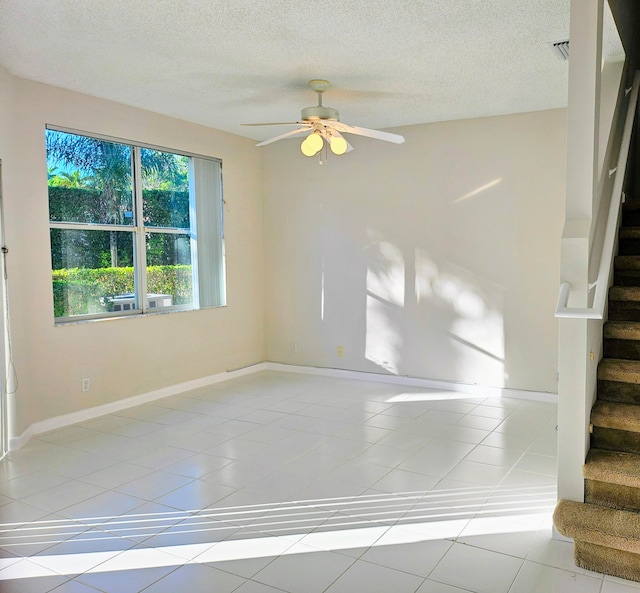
x: 606, y: 527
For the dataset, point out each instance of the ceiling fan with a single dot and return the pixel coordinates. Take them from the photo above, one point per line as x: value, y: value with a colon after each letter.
x: 325, y: 128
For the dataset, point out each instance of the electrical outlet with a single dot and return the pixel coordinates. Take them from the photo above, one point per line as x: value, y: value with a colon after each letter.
x: 340, y: 351
x: 86, y: 384
x: 294, y: 347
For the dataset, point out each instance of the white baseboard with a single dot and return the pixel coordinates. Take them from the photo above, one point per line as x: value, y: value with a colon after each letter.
x: 90, y: 413
x: 136, y: 400
x: 477, y: 390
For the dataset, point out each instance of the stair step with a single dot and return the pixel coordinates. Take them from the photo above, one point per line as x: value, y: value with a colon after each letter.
x: 614, y: 496
x: 598, y: 525
x: 622, y: 330
x: 616, y: 563
x: 616, y: 426
x: 614, y: 467
x: 631, y: 214
x: 606, y: 540
x: 629, y: 240
x: 616, y: 416
x: 622, y: 340
x: 619, y: 380
x: 624, y: 293
x: 626, y: 266
x: 624, y: 301
x: 612, y: 479
x: 611, y: 439
x: 627, y: 262
x: 629, y: 232
x: 621, y: 371
x: 622, y: 277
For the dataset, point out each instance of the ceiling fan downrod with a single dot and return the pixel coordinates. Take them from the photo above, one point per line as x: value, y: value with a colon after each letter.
x: 319, y: 112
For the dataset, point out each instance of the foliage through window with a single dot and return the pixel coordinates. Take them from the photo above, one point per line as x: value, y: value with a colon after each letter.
x: 133, y: 229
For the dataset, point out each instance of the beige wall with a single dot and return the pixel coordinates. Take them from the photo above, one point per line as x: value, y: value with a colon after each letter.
x: 438, y: 258
x: 6, y: 103
x: 123, y: 357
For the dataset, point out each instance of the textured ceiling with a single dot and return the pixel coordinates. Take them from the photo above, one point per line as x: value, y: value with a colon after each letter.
x: 391, y: 62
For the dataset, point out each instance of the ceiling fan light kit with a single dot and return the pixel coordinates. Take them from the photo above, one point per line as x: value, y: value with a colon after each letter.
x: 312, y: 144
x: 337, y: 143
x: 324, y: 127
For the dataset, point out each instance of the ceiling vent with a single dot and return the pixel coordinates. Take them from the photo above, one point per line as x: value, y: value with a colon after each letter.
x: 561, y: 49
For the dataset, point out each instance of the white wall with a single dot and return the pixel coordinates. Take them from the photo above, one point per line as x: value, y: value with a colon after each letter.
x: 123, y: 357
x: 438, y: 258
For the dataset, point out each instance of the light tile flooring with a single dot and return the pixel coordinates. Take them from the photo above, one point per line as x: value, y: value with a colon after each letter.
x: 279, y: 482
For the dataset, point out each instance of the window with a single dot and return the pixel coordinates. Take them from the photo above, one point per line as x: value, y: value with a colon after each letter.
x: 134, y: 229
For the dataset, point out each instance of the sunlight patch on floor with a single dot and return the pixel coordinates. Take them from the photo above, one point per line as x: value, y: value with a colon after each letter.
x: 294, y: 527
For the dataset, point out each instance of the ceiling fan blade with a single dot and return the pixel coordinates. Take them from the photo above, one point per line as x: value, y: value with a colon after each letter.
x: 285, y: 135
x: 377, y: 134
x: 280, y: 123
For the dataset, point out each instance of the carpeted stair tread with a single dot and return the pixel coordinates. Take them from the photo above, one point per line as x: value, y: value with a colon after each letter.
x: 625, y: 293
x: 622, y: 371
x: 629, y: 232
x: 622, y: 330
x: 614, y: 467
x: 616, y: 415
x: 621, y: 341
x: 595, y: 524
x: 627, y: 262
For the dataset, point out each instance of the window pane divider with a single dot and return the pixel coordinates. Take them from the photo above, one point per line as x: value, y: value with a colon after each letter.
x: 91, y: 226
x: 140, y: 244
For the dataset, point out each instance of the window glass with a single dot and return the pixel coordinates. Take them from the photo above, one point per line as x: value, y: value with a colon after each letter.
x: 84, y: 281
x: 89, y: 180
x: 169, y: 271
x: 165, y: 189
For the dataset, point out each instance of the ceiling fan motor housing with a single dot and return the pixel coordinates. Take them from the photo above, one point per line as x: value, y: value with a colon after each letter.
x: 320, y: 112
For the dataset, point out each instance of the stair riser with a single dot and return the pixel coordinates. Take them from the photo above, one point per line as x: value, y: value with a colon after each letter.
x: 612, y: 495
x: 626, y: 277
x: 611, y: 439
x: 625, y: 349
x: 630, y: 217
x: 616, y: 563
x: 624, y: 310
x: 624, y: 393
x: 629, y: 247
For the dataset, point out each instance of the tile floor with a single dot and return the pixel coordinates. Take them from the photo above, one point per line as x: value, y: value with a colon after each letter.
x: 279, y: 482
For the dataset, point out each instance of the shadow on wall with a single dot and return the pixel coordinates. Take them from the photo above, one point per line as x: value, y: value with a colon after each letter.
x: 408, y: 298
x: 442, y: 315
